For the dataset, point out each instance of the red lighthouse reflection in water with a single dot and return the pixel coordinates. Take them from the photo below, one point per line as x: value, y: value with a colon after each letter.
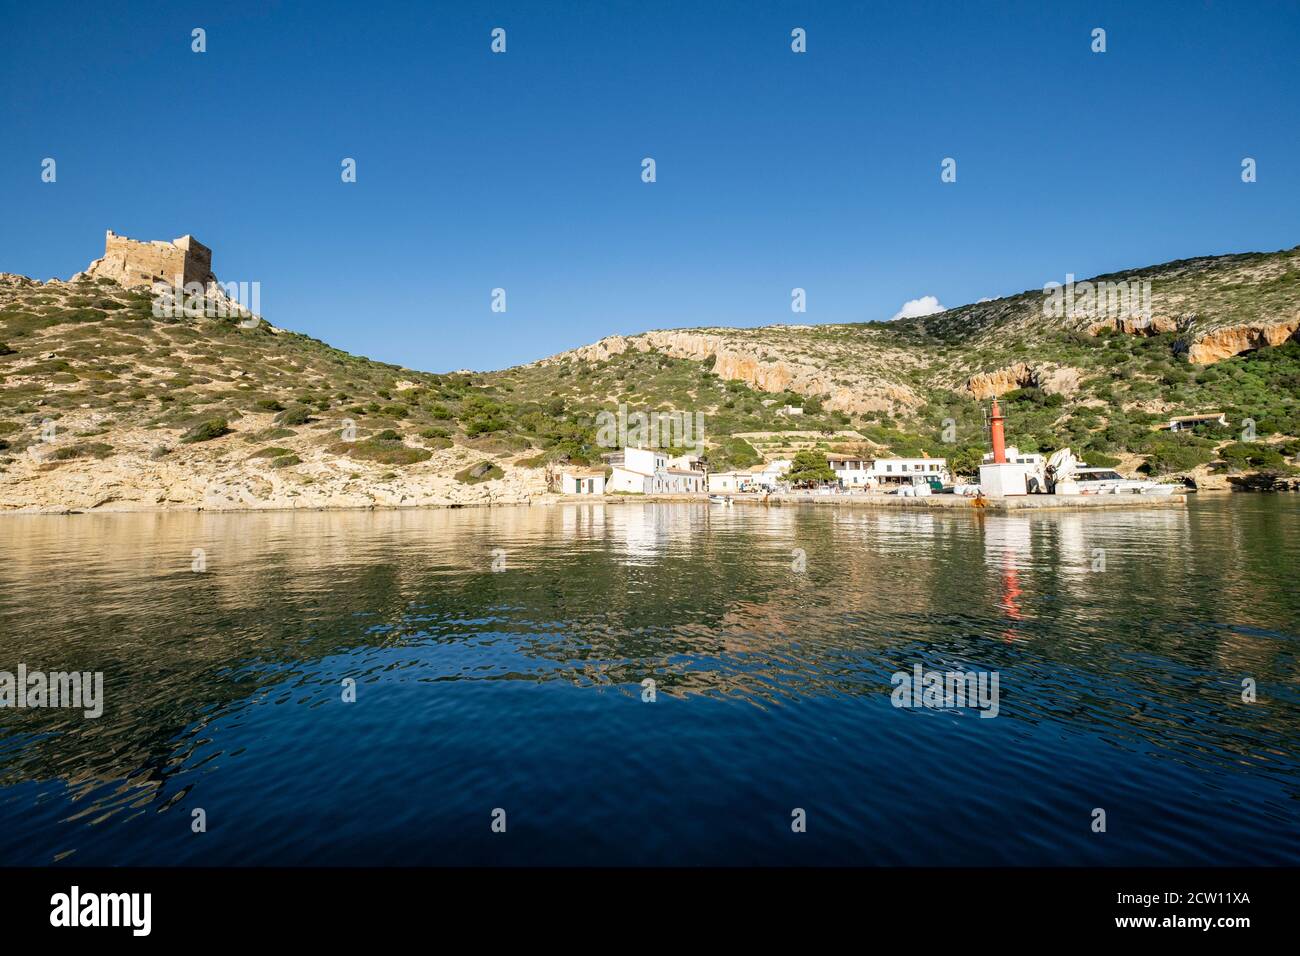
x: 1006, y: 542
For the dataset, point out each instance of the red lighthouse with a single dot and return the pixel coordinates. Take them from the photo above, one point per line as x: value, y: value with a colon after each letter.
x: 998, y: 435
x: 998, y: 477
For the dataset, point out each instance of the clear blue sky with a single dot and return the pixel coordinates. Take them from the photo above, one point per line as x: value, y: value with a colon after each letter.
x: 522, y: 170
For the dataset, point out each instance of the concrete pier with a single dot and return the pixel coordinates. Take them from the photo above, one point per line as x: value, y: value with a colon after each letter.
x: 963, y: 503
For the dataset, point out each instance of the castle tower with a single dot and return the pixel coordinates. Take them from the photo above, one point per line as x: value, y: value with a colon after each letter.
x: 134, y: 263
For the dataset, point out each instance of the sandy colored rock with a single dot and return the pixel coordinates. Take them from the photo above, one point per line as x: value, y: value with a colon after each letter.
x: 219, y: 475
x: 1225, y: 343
x: 1053, y: 379
x: 992, y: 384
x: 734, y: 362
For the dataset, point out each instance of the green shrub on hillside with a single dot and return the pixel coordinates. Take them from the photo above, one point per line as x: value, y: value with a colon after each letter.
x: 733, y: 454
x: 206, y: 431
x: 483, y: 471
x: 1243, y: 456
x: 383, y: 452
x: 1098, y: 459
x: 297, y: 415
x: 1168, y: 454
x: 82, y: 450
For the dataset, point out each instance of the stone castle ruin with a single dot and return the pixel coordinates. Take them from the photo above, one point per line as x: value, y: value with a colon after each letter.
x: 133, y: 263
x: 180, y: 275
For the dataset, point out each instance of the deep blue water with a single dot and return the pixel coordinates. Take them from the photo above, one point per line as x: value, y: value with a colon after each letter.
x: 519, y: 689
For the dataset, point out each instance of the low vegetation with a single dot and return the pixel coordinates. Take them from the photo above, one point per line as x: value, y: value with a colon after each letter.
x: 92, y: 351
x: 206, y: 431
x: 82, y: 450
x: 483, y: 471
x: 382, y: 451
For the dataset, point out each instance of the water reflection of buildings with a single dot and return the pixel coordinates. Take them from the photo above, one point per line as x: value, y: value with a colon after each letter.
x: 1095, y: 557
x: 711, y: 603
x: 1107, y: 558
x: 587, y: 521
x: 644, y: 531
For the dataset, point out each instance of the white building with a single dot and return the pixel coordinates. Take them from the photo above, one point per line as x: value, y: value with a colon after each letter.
x: 1182, y: 423
x: 772, y: 474
x: 851, y: 471
x: 905, y: 471
x: 647, y: 471
x: 855, y: 471
x: 1016, y: 457
x: 768, y: 478
x: 687, y: 462
x: 583, y: 481
x: 730, y: 482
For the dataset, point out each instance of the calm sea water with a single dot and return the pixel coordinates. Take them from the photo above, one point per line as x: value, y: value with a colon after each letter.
x: 520, y: 688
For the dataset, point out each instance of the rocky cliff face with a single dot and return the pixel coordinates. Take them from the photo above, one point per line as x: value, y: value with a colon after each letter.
x: 1053, y: 379
x: 1138, y: 326
x: 1216, y: 306
x: 734, y: 361
x: 1211, y: 346
x: 1225, y: 343
x: 992, y: 384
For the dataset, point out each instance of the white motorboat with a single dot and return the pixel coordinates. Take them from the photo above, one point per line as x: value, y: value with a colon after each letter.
x: 1064, y: 474
x: 1107, y: 481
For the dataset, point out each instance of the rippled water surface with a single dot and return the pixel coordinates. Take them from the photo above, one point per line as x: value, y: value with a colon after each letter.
x: 1121, y: 640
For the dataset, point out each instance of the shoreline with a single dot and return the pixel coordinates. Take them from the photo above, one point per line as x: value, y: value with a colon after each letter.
x: 535, y: 501
x: 786, y: 499
x: 995, y: 505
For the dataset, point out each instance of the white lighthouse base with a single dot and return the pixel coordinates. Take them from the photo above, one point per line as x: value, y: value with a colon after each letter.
x: 1002, y: 481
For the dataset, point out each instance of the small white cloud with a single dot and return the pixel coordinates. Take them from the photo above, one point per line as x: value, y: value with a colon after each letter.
x: 926, y: 305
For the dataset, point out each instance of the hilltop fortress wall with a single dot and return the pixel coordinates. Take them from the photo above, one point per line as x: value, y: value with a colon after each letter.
x: 135, y: 263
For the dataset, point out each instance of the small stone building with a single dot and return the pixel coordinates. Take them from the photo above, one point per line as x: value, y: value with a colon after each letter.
x: 583, y: 481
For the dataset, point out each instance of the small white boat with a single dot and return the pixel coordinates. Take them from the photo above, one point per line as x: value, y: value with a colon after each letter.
x: 1106, y: 481
x: 724, y: 500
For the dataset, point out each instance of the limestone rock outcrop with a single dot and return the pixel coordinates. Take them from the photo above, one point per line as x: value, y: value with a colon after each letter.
x: 218, y: 476
x: 992, y: 384
x: 1053, y: 379
x: 1136, y: 325
x: 1235, y: 339
x: 735, y: 363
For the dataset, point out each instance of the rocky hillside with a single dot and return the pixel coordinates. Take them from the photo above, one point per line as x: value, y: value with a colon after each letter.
x: 105, y: 406
x: 1212, y: 308
x: 1221, y: 336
